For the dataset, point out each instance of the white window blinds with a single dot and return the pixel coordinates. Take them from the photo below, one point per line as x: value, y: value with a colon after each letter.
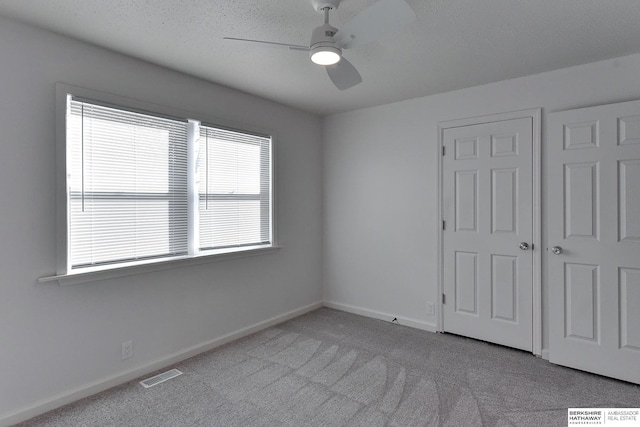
x: 234, y: 203
x: 127, y: 185
x: 143, y: 187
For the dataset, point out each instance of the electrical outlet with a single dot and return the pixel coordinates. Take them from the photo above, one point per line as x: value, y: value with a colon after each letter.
x: 430, y: 308
x: 127, y: 349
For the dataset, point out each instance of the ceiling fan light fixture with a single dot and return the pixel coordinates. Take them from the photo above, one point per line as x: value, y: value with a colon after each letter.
x: 325, y: 55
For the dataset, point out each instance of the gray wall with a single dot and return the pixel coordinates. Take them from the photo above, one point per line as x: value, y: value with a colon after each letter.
x: 380, y: 191
x: 55, y: 340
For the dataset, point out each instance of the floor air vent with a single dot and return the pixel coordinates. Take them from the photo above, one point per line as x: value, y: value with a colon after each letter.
x: 160, y: 378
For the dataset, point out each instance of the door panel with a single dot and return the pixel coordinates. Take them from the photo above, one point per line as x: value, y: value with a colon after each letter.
x: 504, y: 292
x: 581, y: 196
x: 466, y: 282
x: 629, y: 303
x: 593, y: 207
x: 581, y: 301
x: 466, y: 189
x: 629, y: 199
x: 504, y: 206
x: 487, y: 199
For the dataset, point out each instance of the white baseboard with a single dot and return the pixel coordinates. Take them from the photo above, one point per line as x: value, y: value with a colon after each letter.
x: 413, y: 323
x: 105, y: 383
x: 545, y: 354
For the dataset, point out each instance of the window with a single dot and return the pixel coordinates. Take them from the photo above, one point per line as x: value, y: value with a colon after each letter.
x: 234, y: 171
x: 127, y: 181
x: 143, y: 187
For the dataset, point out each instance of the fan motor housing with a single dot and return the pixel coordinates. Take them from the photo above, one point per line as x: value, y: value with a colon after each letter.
x: 320, y: 5
x: 323, y: 36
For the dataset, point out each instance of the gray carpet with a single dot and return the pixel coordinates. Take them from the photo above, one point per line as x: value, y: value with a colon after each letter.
x: 330, y: 368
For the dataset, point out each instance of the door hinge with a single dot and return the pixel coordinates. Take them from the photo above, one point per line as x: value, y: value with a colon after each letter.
x: 444, y: 299
x: 443, y: 150
x: 444, y: 225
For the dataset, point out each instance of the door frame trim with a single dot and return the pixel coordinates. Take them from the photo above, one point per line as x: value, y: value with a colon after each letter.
x: 535, y: 115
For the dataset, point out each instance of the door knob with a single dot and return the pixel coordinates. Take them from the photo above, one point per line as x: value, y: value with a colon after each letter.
x: 556, y: 250
x: 524, y: 246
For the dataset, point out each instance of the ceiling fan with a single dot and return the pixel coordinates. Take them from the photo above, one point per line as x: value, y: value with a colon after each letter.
x: 327, y: 42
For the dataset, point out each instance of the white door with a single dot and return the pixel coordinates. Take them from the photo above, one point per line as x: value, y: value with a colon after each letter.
x: 487, y: 241
x: 593, y: 206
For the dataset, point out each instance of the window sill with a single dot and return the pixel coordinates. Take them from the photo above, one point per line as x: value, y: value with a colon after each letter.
x: 112, y: 272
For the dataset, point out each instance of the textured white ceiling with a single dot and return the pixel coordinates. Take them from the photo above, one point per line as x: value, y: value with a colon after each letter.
x: 452, y: 45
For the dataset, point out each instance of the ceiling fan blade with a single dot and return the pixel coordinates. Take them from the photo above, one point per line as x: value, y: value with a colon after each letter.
x: 343, y: 74
x: 375, y: 22
x: 266, y: 43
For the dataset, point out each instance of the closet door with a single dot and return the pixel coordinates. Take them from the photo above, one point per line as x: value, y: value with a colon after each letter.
x: 593, y: 226
x: 487, y: 188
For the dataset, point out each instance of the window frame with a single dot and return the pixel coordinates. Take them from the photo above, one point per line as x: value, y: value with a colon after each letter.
x: 118, y: 193
x: 213, y: 196
x: 64, y: 275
